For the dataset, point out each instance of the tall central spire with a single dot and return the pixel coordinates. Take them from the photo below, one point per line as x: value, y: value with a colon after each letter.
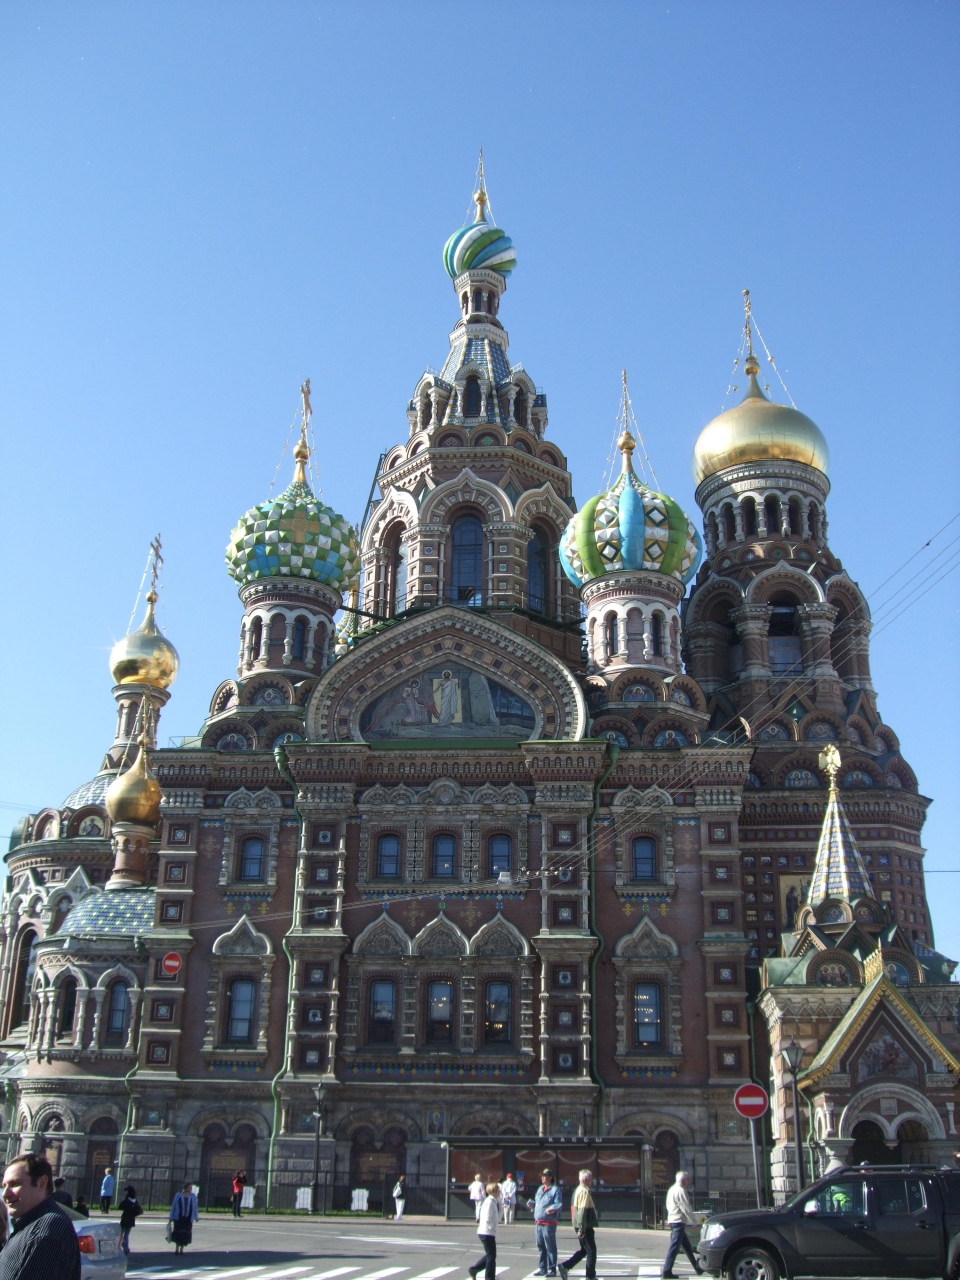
x: 839, y: 874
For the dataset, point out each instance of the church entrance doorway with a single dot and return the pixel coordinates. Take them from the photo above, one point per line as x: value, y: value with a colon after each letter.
x: 101, y: 1155
x: 220, y: 1159
x: 869, y: 1145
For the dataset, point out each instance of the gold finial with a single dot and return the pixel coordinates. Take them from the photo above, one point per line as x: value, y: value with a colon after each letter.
x: 480, y: 195
x: 830, y: 763
x: 301, y: 450
x: 751, y: 366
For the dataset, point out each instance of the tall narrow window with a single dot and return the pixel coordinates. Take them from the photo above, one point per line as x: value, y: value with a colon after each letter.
x: 383, y: 1012
x: 401, y: 554
x: 656, y: 634
x: 26, y: 968
x: 256, y: 639
x: 771, y: 515
x: 299, y: 646
x: 471, y: 398
x: 427, y: 411
x: 68, y: 1006
x: 500, y: 851
x: 117, y: 1013
x: 240, y: 1001
x: 612, y: 633
x: 814, y: 521
x: 537, y: 574
x: 729, y: 524
x: 440, y: 1013
x: 477, y: 300
x: 644, y: 858
x: 499, y: 1020
x: 796, y: 521
x: 466, y: 568
x: 444, y: 856
x: 251, y: 859
x: 646, y: 1014
x: 786, y: 656
x: 520, y: 409
x: 388, y: 857
x: 749, y: 510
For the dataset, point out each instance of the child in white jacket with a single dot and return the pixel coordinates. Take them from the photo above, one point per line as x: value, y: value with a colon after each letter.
x: 487, y: 1222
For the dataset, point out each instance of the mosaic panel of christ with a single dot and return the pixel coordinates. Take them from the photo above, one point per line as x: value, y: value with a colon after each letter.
x: 448, y: 701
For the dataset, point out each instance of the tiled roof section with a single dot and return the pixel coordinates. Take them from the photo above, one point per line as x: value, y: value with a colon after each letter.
x: 123, y: 913
x: 486, y: 355
x: 839, y: 872
x: 91, y: 792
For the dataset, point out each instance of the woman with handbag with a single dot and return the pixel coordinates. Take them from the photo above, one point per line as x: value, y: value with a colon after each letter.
x: 183, y: 1214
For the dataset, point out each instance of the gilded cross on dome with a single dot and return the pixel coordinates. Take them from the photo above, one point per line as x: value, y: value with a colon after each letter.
x: 830, y: 762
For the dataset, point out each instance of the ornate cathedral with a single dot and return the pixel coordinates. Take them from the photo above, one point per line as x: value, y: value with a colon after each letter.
x: 522, y: 827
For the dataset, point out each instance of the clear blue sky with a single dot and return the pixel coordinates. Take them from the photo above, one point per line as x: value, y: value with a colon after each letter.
x: 204, y: 203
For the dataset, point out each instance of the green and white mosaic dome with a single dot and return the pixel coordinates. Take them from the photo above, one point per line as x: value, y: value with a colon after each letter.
x: 294, y: 536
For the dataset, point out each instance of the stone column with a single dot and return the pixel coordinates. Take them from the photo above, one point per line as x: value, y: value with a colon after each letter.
x: 752, y: 622
x: 816, y: 626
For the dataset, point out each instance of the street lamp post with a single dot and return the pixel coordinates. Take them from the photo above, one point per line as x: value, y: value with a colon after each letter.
x: 445, y: 1147
x: 318, y: 1093
x: 793, y: 1056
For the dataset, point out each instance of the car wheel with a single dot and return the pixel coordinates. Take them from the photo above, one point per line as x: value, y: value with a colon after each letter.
x: 753, y: 1264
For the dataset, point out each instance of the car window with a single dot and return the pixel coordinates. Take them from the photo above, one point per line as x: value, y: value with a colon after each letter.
x: 951, y: 1188
x: 899, y: 1196
x: 842, y: 1198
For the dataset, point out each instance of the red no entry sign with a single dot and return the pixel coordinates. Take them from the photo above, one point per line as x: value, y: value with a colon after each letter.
x: 171, y: 964
x: 751, y: 1101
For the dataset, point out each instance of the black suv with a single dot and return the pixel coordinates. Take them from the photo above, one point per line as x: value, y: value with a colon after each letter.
x: 879, y: 1220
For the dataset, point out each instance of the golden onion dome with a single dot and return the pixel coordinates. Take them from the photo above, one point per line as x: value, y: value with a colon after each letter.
x: 135, y: 796
x: 756, y: 430
x: 145, y: 656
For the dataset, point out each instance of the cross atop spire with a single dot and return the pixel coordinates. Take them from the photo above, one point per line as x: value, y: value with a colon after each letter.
x: 480, y: 197
x: 751, y: 364
x: 301, y: 450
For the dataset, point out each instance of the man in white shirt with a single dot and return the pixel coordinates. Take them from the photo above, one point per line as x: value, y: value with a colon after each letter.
x: 508, y: 1198
x: 680, y: 1215
x: 476, y: 1191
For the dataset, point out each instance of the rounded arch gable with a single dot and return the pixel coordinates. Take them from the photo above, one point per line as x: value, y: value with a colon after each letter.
x: 397, y: 506
x: 921, y: 1108
x: 784, y: 577
x: 466, y: 489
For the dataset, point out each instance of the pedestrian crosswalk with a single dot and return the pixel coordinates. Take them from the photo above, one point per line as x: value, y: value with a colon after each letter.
x: 608, y: 1269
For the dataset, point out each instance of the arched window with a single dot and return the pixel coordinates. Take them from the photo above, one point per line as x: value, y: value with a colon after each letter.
x: 520, y: 408
x: 749, y: 509
x: 477, y: 300
x: 440, y: 1013
x: 611, y: 634
x: 241, y: 998
x: 444, y: 857
x: 729, y: 523
x: 537, y: 573
x: 795, y: 518
x: 251, y: 859
x: 771, y: 515
x: 26, y: 968
x: 498, y: 1023
x: 813, y: 518
x: 382, y: 1022
x: 427, y: 411
x: 465, y: 302
x: 68, y: 1006
x: 500, y: 854
x: 471, y: 398
x: 256, y: 638
x: 644, y: 851
x: 466, y: 567
x: 656, y: 634
x: 401, y: 553
x: 388, y: 857
x: 646, y: 1014
x: 784, y: 643
x: 299, y: 647
x: 118, y: 1012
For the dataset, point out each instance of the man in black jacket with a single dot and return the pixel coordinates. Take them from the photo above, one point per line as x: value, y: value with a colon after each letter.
x: 44, y: 1242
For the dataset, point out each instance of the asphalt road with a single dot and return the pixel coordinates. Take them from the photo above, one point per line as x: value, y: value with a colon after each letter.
x: 294, y: 1248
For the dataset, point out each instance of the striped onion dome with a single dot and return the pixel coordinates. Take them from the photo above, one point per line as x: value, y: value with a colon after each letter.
x: 479, y: 244
x: 629, y: 527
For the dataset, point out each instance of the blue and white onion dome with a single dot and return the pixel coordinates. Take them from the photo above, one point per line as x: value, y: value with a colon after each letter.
x: 295, y: 536
x: 479, y: 244
x: 629, y: 527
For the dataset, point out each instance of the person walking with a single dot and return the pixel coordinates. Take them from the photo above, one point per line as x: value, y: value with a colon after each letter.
x: 183, y: 1214
x: 546, y: 1214
x: 400, y: 1196
x: 107, y: 1188
x: 130, y: 1211
x: 487, y: 1222
x: 680, y: 1215
x: 61, y: 1194
x: 508, y: 1199
x: 239, y: 1182
x: 476, y: 1191
x: 43, y: 1243
x: 583, y: 1214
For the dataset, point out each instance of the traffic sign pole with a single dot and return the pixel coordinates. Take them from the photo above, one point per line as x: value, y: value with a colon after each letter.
x: 756, y: 1163
x: 751, y: 1102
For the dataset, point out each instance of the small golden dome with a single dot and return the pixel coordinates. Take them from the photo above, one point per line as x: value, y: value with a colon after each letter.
x: 135, y: 795
x: 756, y: 430
x: 145, y: 656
